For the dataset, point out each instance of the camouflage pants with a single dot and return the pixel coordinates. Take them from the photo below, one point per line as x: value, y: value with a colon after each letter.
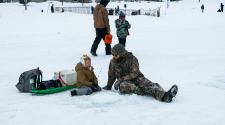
x: 142, y: 86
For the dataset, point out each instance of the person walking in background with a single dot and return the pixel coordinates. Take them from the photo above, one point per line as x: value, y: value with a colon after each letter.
x: 102, y: 27
x: 52, y: 8
x: 117, y: 10
x: 92, y: 9
x: 202, y: 8
x: 221, y: 7
x: 122, y: 26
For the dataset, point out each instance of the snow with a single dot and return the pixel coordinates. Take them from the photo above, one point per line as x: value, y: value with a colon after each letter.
x: 183, y: 47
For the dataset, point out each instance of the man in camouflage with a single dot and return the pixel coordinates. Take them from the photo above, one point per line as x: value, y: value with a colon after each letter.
x: 124, y: 67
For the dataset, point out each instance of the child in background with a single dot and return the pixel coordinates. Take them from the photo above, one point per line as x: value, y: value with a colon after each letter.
x: 122, y: 26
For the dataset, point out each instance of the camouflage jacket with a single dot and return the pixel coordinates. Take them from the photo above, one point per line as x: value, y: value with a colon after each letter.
x: 125, y: 70
x: 122, y: 27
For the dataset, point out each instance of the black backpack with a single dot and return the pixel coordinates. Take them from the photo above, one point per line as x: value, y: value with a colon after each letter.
x: 29, y: 80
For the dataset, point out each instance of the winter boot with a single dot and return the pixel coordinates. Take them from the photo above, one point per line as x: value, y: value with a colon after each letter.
x: 81, y: 91
x: 93, y: 53
x: 73, y: 93
x: 168, y: 96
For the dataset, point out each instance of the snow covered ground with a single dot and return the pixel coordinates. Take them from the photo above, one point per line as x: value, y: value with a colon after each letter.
x: 183, y: 47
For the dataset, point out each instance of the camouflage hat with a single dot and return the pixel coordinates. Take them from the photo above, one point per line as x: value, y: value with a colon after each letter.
x: 119, y: 49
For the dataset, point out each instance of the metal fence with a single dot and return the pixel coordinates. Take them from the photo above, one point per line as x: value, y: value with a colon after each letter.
x: 81, y: 10
x: 129, y: 12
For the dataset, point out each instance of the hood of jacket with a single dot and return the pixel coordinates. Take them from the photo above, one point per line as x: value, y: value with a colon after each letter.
x: 80, y: 67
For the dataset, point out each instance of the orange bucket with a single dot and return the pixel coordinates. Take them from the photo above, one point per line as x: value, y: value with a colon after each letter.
x: 108, y: 39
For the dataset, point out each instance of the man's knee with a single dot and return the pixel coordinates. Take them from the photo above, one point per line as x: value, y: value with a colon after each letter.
x: 127, y: 88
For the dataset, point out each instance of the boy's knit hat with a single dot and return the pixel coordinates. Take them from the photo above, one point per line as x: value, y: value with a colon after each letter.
x: 122, y: 14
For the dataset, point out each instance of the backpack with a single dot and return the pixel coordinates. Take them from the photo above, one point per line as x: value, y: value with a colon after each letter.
x: 29, y: 80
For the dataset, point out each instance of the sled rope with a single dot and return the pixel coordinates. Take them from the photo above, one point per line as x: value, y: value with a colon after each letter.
x: 62, y: 81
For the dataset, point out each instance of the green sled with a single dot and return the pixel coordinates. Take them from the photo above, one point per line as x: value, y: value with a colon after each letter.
x: 51, y: 90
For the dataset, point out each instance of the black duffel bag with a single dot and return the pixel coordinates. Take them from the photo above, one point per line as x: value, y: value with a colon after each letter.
x: 49, y: 84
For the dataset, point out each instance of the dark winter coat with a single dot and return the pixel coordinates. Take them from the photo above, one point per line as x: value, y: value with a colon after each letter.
x: 221, y: 7
x: 202, y: 7
x: 52, y: 9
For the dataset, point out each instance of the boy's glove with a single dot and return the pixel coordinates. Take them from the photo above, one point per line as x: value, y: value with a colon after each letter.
x: 96, y: 88
x: 94, y: 84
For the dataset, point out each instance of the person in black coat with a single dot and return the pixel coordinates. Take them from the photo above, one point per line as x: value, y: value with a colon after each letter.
x: 52, y: 8
x: 92, y: 9
x: 202, y: 8
x: 221, y: 7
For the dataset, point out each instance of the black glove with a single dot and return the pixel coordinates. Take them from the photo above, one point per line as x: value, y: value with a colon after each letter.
x: 94, y: 84
x: 96, y: 88
x: 107, y: 88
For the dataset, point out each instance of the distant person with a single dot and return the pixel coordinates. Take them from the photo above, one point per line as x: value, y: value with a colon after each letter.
x: 139, y: 12
x: 202, y: 8
x: 92, y: 9
x: 126, y: 76
x: 221, y: 7
x: 117, y: 10
x: 111, y: 12
x: 102, y: 27
x: 122, y: 26
x: 52, y: 8
x: 87, y: 81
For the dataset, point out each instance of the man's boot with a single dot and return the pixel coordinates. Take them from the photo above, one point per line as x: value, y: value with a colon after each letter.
x: 93, y: 53
x: 168, y: 96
